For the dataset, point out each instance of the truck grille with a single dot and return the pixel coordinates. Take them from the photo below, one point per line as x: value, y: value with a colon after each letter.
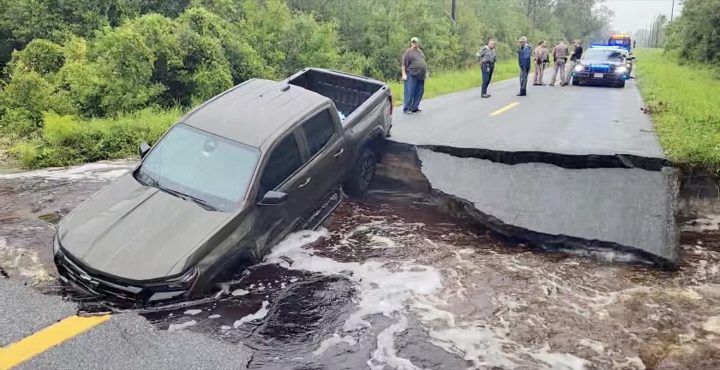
x: 72, y: 271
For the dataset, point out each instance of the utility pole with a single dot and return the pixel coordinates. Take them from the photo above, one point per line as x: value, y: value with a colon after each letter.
x: 672, y: 11
x: 453, y: 10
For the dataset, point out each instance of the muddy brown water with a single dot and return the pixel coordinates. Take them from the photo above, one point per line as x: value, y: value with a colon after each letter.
x: 398, y: 281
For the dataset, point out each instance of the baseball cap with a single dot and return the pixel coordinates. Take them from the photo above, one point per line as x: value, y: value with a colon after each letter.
x: 414, y: 40
x: 523, y: 39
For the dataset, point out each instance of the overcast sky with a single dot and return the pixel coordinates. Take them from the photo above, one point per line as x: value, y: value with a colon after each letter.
x: 631, y: 15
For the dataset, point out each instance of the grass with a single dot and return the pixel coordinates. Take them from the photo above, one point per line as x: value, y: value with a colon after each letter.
x: 69, y: 140
x: 684, y: 103
x: 452, y: 81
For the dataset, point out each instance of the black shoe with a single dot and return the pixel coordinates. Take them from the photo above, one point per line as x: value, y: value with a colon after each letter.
x: 416, y: 110
x: 522, y: 94
x: 407, y: 112
x: 485, y: 96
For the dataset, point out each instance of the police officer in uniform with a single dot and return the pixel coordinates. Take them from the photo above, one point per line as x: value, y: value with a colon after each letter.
x: 574, y: 59
x: 487, y: 56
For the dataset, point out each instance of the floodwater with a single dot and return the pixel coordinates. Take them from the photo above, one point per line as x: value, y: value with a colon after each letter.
x: 396, y: 281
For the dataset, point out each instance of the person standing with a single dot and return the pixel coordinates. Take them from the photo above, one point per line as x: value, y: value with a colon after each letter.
x: 414, y: 72
x: 541, y: 59
x: 574, y: 59
x: 524, y: 61
x: 560, y: 54
x: 487, y: 56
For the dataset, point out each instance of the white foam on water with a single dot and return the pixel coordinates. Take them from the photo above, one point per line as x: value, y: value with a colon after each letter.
x: 333, y: 341
x: 260, y: 314
x: 240, y: 292
x: 23, y: 263
x: 384, y: 354
x: 215, y: 316
x: 104, y: 170
x: 225, y: 327
x: 594, y: 345
x: 192, y: 312
x: 186, y: 324
x: 383, y: 288
x: 709, y: 222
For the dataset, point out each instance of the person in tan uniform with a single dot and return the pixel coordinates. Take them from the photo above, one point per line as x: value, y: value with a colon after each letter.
x: 560, y: 55
x: 541, y: 60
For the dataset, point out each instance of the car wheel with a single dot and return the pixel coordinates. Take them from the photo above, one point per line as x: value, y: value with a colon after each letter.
x: 575, y: 82
x: 621, y: 84
x: 362, y: 174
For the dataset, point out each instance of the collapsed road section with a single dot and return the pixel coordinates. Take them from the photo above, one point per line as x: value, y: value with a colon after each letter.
x: 594, y: 178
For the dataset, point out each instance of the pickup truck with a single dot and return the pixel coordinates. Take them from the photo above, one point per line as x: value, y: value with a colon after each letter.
x: 226, y: 183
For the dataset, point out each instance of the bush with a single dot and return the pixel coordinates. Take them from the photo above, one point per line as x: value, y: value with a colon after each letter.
x: 68, y: 140
x: 41, y: 56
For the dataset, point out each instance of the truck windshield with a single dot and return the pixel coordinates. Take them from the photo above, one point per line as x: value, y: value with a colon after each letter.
x: 600, y: 55
x: 201, y: 167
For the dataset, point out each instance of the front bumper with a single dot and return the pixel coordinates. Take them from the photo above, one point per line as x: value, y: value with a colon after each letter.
x: 75, y: 274
x: 600, y: 78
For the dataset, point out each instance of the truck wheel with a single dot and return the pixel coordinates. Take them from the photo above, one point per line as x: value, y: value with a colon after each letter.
x: 362, y: 174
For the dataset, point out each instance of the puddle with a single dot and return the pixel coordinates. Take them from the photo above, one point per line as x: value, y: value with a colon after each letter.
x: 395, y: 281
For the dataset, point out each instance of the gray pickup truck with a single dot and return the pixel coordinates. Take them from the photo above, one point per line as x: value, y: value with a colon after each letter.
x: 224, y: 184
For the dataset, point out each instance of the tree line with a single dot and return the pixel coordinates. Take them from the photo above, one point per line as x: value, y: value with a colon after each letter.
x: 108, y: 58
x: 694, y: 35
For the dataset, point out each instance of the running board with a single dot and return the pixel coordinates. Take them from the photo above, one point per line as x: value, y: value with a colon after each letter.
x: 327, y: 207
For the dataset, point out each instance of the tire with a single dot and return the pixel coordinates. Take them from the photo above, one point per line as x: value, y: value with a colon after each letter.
x: 621, y: 84
x: 361, y: 175
x: 575, y: 82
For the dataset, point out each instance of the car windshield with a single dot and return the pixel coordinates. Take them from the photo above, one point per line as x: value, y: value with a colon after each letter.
x: 600, y: 55
x: 201, y: 167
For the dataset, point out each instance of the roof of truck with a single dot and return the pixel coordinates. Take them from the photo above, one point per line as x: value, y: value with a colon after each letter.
x: 255, y: 111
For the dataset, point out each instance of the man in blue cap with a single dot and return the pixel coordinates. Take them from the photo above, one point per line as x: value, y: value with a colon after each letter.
x: 524, y: 60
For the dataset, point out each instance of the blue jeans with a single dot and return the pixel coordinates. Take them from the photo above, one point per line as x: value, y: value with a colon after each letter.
x: 413, y: 93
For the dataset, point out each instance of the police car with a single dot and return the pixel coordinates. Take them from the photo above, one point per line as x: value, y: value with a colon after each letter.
x: 603, y: 65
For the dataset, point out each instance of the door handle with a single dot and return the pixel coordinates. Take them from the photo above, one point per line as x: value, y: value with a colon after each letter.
x: 304, y: 184
x: 339, y: 153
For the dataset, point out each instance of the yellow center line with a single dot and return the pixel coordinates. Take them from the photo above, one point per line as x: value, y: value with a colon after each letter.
x: 16, y: 353
x: 504, y: 109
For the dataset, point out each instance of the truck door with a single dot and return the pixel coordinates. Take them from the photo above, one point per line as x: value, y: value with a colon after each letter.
x: 327, y: 155
x: 285, y: 171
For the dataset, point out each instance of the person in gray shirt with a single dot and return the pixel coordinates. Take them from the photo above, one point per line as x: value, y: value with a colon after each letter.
x: 487, y: 56
x: 414, y: 72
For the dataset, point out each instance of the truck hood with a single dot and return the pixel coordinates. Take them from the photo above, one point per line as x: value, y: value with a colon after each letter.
x: 136, y: 232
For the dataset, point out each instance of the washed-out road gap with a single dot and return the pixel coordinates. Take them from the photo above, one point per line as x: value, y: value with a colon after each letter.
x: 562, y: 167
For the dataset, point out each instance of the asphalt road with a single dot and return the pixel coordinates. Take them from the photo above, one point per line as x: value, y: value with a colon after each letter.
x: 575, y: 120
x: 584, y: 201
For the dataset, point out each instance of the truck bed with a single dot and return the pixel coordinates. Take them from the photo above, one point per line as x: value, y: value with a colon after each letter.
x: 346, y: 91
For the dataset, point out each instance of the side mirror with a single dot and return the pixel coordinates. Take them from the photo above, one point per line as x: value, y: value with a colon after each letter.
x: 143, y: 150
x: 273, y: 198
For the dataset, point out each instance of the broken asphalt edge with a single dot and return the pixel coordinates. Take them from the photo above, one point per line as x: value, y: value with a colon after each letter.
x: 544, y: 241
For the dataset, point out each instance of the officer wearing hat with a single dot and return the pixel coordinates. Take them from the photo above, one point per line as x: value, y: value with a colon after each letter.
x: 524, y: 61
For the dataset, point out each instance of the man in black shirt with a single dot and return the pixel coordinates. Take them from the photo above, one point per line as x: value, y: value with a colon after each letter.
x: 414, y: 71
x: 574, y: 59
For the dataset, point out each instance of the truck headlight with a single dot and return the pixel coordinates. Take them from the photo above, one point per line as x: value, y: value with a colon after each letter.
x: 579, y: 68
x: 621, y: 70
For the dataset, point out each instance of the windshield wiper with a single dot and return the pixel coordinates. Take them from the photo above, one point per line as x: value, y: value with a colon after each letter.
x: 203, y: 203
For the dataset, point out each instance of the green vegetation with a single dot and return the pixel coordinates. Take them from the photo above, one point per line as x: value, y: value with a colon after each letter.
x: 683, y: 100
x: 694, y: 35
x: 452, y: 81
x: 85, y: 80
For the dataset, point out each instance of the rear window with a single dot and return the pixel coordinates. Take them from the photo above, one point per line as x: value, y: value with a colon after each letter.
x: 284, y: 161
x: 318, y: 130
